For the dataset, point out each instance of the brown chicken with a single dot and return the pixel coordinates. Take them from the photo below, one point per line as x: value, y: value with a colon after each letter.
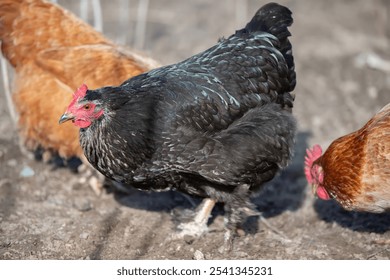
x: 355, y: 169
x: 52, y: 52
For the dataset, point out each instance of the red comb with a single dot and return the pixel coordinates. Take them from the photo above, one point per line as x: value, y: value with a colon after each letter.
x: 311, y: 156
x: 81, y: 91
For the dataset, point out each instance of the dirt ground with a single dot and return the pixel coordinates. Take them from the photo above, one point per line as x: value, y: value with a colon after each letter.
x: 342, y: 56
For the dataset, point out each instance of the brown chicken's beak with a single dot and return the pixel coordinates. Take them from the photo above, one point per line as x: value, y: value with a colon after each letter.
x: 66, y: 117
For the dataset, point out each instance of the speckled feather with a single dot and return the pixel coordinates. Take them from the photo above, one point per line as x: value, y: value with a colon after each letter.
x: 216, y: 125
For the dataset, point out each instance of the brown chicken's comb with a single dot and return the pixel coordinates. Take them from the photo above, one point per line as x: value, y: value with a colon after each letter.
x: 311, y: 156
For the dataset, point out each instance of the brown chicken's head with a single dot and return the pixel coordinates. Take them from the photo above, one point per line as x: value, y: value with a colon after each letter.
x: 314, y: 172
x: 82, y: 111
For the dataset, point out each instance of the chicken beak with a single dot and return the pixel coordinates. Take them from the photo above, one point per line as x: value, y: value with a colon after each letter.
x: 66, y: 117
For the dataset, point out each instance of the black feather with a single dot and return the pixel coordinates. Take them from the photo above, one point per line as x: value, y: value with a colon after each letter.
x: 275, y: 19
x: 217, y: 124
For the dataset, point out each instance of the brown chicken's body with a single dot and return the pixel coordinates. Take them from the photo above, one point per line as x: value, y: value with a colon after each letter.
x: 356, y: 167
x: 52, y: 52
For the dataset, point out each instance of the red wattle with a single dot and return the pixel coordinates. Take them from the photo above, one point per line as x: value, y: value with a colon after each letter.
x: 322, y: 193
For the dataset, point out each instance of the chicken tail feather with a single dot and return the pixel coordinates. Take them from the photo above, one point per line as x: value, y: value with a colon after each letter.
x: 275, y: 19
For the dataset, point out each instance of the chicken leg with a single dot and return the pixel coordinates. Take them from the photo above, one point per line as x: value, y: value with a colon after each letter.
x: 199, y: 225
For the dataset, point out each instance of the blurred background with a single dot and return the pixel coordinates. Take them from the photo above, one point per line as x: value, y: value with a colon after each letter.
x: 342, y: 56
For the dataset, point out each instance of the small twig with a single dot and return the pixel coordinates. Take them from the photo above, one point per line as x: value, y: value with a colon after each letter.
x: 382, y: 242
x: 275, y: 230
x: 376, y: 253
x: 372, y: 60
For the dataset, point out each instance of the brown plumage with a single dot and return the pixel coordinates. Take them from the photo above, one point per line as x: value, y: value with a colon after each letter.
x: 52, y: 52
x: 355, y: 169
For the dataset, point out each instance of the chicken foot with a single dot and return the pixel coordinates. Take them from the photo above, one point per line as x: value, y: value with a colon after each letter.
x: 199, y: 224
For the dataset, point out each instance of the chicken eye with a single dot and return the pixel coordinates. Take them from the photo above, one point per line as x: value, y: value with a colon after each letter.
x: 87, y: 106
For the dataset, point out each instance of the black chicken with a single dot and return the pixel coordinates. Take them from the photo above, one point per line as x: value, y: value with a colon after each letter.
x: 216, y: 125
